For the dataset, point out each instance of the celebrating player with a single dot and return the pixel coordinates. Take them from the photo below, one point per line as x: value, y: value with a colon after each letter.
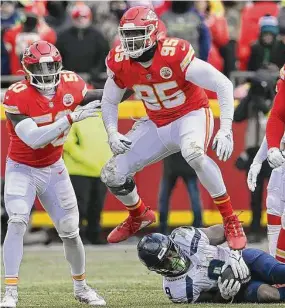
x: 168, y: 78
x: 270, y: 148
x: 40, y: 111
x: 191, y: 262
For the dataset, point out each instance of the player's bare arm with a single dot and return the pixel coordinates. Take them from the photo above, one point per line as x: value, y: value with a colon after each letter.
x: 215, y: 234
x: 211, y: 297
x: 15, y: 118
x: 92, y: 95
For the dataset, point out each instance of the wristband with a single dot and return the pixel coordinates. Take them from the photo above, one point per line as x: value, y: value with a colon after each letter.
x: 69, y: 119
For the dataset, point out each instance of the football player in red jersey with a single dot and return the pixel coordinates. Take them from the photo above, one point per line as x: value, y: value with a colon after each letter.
x: 40, y: 111
x: 272, y: 148
x: 169, y: 79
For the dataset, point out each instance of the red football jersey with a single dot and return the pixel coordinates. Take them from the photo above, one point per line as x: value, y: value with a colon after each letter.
x: 276, y: 120
x: 22, y: 98
x: 162, y: 87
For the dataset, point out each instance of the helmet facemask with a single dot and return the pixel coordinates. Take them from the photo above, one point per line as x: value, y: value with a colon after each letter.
x: 44, y: 75
x: 136, y: 40
x: 173, y: 262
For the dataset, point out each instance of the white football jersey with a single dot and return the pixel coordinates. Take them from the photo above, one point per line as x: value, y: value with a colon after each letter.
x: 206, y: 264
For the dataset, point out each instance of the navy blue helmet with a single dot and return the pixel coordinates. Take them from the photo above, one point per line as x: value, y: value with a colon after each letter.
x: 160, y: 254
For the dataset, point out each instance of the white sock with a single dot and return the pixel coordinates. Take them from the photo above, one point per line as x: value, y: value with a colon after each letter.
x: 272, y: 235
x: 79, y: 284
x: 129, y: 199
x: 14, y: 288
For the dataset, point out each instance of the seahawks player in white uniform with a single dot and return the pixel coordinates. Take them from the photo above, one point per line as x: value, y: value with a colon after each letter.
x: 191, y: 262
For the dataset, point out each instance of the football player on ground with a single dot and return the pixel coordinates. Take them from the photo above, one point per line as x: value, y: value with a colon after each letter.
x: 169, y: 79
x: 271, y: 149
x: 192, y: 265
x: 40, y: 111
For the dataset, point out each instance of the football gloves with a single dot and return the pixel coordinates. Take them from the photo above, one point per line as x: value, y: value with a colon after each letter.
x: 223, y: 144
x: 275, y: 157
x: 87, y: 111
x: 252, y: 175
x: 236, y: 262
x: 119, y: 143
x: 228, y: 288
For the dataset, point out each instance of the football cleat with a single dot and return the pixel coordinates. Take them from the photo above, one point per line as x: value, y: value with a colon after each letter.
x: 234, y: 233
x: 10, y: 299
x: 131, y: 226
x: 89, y: 296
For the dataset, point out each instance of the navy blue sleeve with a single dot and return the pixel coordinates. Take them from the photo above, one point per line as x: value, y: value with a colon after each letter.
x: 204, y: 42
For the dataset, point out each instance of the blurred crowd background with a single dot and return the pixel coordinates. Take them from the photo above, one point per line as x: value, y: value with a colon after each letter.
x: 243, y: 39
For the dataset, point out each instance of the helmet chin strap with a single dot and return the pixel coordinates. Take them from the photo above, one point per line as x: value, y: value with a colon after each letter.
x: 48, y: 93
x: 147, y: 55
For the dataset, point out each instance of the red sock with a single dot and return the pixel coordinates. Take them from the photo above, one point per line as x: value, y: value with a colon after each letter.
x: 224, y: 205
x: 137, y: 209
x: 280, y: 251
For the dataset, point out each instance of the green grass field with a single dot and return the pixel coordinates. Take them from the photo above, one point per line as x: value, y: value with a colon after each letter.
x: 113, y: 270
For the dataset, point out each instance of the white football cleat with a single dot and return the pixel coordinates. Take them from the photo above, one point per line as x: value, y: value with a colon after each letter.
x: 89, y: 296
x: 10, y: 299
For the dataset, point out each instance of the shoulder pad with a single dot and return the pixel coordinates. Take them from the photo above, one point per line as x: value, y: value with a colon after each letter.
x: 15, y: 97
x: 178, y: 51
x: 115, y: 59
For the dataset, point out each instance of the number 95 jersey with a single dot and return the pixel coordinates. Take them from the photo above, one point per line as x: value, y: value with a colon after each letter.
x: 22, y: 98
x: 162, y: 87
x: 206, y: 262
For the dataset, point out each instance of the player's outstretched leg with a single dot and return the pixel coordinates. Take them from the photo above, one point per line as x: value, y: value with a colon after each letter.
x: 210, y: 177
x: 19, y: 195
x: 12, y: 257
x: 75, y: 255
x: 264, y: 267
x: 195, y: 131
x: 147, y: 148
x: 59, y: 201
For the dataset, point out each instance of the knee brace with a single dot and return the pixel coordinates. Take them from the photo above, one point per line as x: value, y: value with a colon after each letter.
x: 194, y: 156
x: 68, y: 226
x: 124, y: 189
x: 110, y: 176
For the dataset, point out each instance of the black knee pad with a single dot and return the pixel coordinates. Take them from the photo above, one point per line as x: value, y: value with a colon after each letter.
x: 124, y: 189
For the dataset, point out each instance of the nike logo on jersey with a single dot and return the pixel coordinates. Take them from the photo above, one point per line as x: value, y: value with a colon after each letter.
x: 60, y: 172
x: 183, y: 47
